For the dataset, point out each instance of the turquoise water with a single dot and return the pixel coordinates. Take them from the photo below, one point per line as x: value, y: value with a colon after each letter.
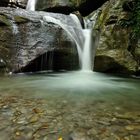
x: 75, y: 86
x: 75, y: 106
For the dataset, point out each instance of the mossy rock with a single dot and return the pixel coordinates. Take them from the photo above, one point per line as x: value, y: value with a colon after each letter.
x: 19, y: 19
x: 4, y: 20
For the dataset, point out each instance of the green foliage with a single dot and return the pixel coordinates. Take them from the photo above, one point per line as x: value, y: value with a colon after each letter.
x: 134, y: 20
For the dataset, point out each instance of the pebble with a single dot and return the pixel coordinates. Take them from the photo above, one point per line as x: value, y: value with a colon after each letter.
x: 129, y: 128
x: 34, y: 119
x: 17, y: 133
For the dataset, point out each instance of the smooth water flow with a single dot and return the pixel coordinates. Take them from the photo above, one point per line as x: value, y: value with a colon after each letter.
x: 83, y: 46
x: 14, y: 26
x: 75, y: 18
x: 86, y: 56
x: 31, y: 5
x: 70, y: 31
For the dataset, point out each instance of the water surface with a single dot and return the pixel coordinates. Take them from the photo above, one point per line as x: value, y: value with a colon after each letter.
x: 80, y: 102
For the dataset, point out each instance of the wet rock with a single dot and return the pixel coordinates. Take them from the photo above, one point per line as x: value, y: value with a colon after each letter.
x: 129, y: 128
x: 4, y: 3
x: 62, y: 6
x: 132, y: 127
x: 34, y: 119
x: 24, y: 32
x: 113, y: 54
x: 78, y: 136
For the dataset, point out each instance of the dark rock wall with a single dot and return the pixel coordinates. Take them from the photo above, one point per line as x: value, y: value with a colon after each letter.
x: 67, y: 6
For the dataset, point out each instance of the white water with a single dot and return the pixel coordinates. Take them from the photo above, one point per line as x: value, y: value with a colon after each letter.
x: 83, y: 48
x: 86, y: 55
x: 86, y: 62
x: 31, y: 5
x: 70, y: 31
x: 14, y: 26
x: 75, y: 18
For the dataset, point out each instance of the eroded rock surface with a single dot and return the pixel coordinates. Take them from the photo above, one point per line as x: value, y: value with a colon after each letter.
x: 116, y: 52
x: 26, y: 36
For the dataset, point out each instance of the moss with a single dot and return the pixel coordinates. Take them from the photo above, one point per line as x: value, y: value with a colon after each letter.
x: 133, y: 21
x: 4, y: 20
x: 102, y: 17
x: 19, y: 19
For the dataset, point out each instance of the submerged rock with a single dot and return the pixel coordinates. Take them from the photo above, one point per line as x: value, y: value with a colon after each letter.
x: 28, y: 42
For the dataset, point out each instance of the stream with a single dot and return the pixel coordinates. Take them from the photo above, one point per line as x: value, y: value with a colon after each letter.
x: 69, y: 105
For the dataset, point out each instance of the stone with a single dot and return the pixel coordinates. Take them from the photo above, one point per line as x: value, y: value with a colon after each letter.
x: 4, y: 3
x: 34, y: 119
x: 23, y: 32
x: 114, y: 54
x: 129, y: 128
x: 78, y: 136
x: 66, y: 7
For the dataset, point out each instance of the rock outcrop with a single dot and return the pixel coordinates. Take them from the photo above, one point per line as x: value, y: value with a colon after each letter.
x: 114, y: 53
x: 4, y: 3
x: 13, y: 3
x: 68, y: 6
x: 29, y: 43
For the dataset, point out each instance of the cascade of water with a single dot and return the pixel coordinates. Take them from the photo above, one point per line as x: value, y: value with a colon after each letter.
x: 70, y: 31
x: 86, y: 55
x: 14, y: 26
x: 84, y: 49
x: 31, y: 5
x: 75, y: 18
x: 86, y: 62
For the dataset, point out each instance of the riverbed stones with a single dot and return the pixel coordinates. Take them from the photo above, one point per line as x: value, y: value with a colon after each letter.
x: 44, y: 119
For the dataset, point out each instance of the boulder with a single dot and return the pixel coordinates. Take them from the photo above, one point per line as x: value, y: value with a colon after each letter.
x: 68, y: 6
x: 30, y: 43
x: 114, y: 53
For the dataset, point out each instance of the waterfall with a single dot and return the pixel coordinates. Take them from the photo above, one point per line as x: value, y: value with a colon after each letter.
x: 76, y: 20
x: 86, y: 61
x: 70, y: 31
x: 14, y: 26
x: 31, y: 5
x: 86, y: 55
x: 83, y: 44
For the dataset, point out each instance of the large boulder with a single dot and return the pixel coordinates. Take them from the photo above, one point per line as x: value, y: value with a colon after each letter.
x: 114, y: 53
x: 67, y: 6
x: 28, y: 42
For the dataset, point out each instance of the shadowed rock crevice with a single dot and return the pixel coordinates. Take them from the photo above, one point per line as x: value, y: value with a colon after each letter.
x: 109, y: 65
x: 52, y: 60
x: 66, y: 7
x: 89, y: 6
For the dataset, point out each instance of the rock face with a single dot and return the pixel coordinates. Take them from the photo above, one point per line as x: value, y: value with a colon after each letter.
x: 19, y: 3
x: 67, y: 6
x: 13, y: 3
x: 29, y: 43
x: 4, y: 3
x: 114, y: 53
